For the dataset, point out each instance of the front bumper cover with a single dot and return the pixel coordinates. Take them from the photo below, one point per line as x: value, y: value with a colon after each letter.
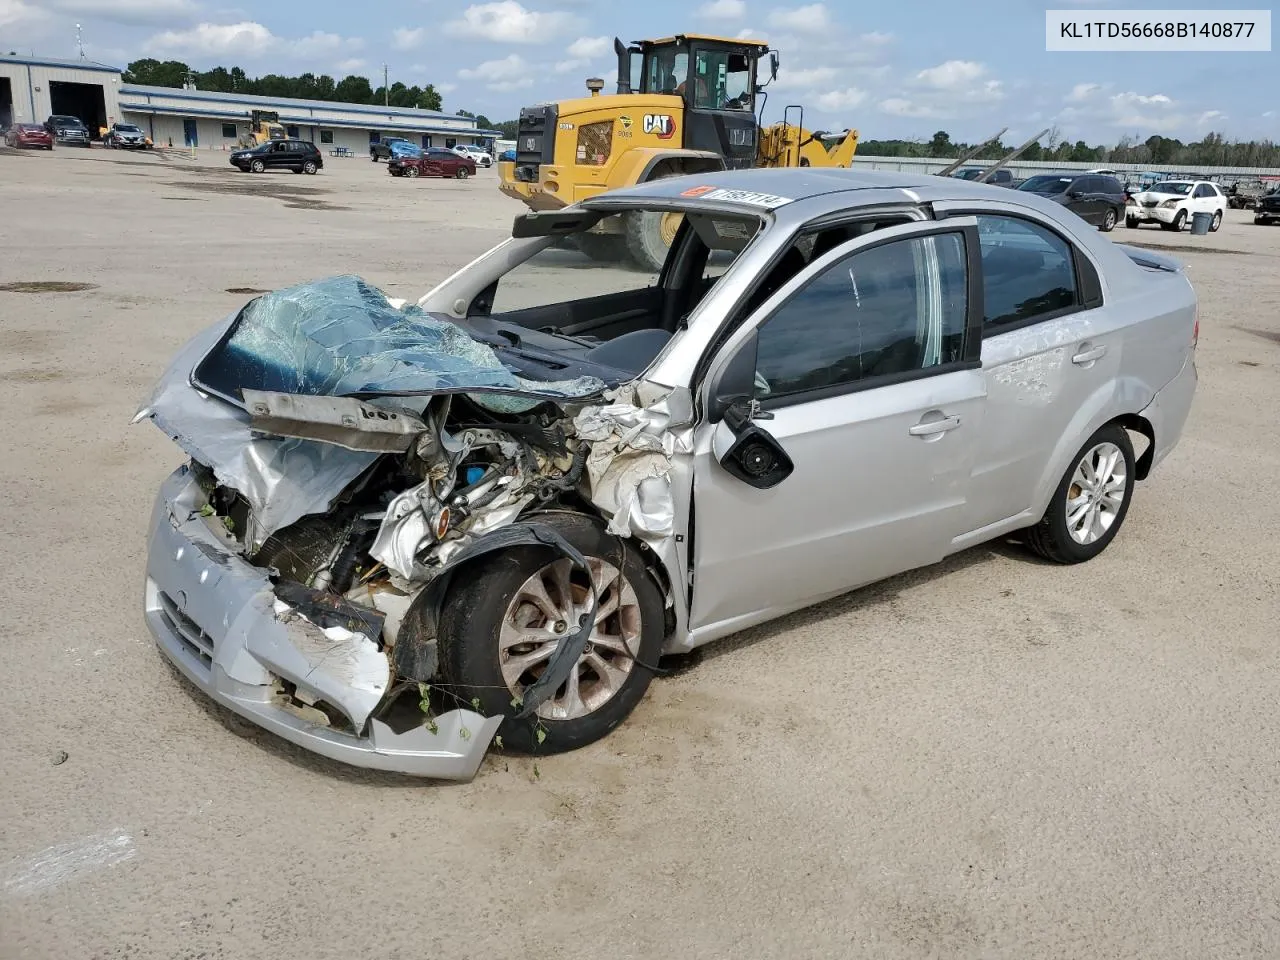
x: 213, y: 616
x: 1153, y: 214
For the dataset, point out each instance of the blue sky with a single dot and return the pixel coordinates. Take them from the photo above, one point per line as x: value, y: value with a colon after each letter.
x: 900, y: 69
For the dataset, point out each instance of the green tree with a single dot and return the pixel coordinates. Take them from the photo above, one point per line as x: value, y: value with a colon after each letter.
x: 353, y: 89
x: 941, y: 145
x: 430, y: 98
x: 151, y: 72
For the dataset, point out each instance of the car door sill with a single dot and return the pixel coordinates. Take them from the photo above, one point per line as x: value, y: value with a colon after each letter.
x: 992, y: 530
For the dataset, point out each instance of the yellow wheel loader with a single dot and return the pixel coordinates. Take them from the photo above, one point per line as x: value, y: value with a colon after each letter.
x: 264, y: 125
x: 684, y: 104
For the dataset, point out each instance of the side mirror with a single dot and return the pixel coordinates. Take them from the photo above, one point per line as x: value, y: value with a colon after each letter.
x: 749, y: 452
x: 773, y: 65
x: 746, y: 450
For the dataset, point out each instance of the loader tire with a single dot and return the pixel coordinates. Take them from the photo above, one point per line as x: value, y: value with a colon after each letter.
x: 648, y: 234
x: 603, y: 248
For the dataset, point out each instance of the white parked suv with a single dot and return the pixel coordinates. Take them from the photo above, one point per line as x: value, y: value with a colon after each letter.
x: 472, y: 152
x: 1171, y: 204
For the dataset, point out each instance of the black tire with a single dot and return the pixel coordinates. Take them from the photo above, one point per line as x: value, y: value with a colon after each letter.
x: 601, y: 247
x: 257, y: 166
x: 472, y: 616
x: 1217, y: 221
x: 373, y: 156
x: 1108, y: 221
x: 462, y: 173
x: 1260, y: 221
x: 309, y: 168
x: 1178, y: 222
x: 296, y: 170
x: 1050, y: 538
x: 411, y: 172
x: 643, y: 239
x: 1131, y: 223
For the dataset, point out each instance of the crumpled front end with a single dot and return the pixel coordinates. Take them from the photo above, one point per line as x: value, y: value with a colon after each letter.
x: 348, y: 456
x: 219, y: 621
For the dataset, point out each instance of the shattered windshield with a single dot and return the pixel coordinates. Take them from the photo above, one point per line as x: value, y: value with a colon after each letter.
x: 342, y: 336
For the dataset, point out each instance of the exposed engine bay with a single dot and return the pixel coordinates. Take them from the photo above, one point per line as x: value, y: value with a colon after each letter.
x: 356, y: 452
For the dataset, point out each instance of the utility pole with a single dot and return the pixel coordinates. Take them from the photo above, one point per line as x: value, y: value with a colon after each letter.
x: 386, y: 89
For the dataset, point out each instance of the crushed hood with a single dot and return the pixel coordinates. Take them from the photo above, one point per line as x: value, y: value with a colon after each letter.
x: 340, y: 337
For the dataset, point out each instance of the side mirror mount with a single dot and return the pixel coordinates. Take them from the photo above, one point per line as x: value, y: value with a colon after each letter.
x: 748, y: 451
x: 745, y: 449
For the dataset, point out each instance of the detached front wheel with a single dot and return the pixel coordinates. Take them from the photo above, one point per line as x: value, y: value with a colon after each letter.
x: 503, y: 620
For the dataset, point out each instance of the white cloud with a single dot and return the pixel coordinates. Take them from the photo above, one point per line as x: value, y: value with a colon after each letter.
x: 246, y: 38
x: 15, y: 13
x: 510, y: 73
x: 1083, y: 91
x: 446, y: 87
x: 588, y: 48
x: 747, y: 33
x: 837, y: 100
x: 805, y: 79
x: 406, y: 38
x: 901, y: 107
x: 350, y: 66
x: 722, y: 10
x: 1210, y: 116
x: 808, y: 19
x: 876, y: 38
x: 126, y: 11
x: 951, y: 74
x: 250, y: 39
x: 321, y: 44
x: 506, y: 21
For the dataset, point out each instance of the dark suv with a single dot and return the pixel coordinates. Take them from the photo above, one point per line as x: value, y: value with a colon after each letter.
x: 300, y: 156
x: 385, y: 149
x: 1268, y: 208
x: 1095, y: 198
x: 69, y: 130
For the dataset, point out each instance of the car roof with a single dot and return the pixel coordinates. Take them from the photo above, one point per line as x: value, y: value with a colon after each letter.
x: 792, y: 184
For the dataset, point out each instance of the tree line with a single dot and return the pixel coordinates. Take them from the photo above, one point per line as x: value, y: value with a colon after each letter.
x: 308, y: 86
x: 1214, y: 150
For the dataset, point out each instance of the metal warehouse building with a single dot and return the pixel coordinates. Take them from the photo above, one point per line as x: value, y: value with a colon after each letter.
x: 31, y: 89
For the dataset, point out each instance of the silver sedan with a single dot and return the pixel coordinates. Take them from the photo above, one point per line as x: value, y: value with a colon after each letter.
x: 406, y: 529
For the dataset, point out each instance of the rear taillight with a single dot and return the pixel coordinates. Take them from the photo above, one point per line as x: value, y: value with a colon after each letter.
x: 1195, y: 331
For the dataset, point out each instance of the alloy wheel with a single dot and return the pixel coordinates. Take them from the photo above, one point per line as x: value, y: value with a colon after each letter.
x: 546, y: 608
x: 1096, y: 494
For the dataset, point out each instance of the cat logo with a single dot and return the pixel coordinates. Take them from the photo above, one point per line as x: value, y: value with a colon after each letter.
x: 625, y: 122
x: 661, y: 124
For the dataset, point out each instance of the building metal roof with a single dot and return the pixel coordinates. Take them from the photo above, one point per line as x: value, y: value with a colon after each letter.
x: 253, y: 101
x: 57, y: 62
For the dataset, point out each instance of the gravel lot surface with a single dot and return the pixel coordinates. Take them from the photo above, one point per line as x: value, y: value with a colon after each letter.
x: 989, y: 758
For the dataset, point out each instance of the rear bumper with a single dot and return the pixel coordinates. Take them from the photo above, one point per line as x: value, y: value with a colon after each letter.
x: 213, y: 616
x: 1169, y: 408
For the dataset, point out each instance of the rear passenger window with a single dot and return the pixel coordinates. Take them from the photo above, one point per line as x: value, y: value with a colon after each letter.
x: 1028, y: 273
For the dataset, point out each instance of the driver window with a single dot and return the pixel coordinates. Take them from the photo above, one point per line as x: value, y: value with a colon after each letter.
x: 721, y: 80
x: 887, y: 312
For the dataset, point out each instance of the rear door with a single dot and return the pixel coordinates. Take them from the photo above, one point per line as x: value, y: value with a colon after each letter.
x: 1050, y: 353
x: 865, y: 371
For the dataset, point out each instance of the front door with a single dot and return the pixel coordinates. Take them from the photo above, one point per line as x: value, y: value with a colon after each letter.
x: 867, y: 376
x: 190, y: 132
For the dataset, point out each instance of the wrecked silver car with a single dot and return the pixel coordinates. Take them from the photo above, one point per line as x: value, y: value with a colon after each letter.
x: 408, y: 528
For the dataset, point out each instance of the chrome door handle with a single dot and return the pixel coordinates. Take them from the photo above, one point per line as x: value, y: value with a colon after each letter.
x: 1088, y: 356
x: 934, y: 427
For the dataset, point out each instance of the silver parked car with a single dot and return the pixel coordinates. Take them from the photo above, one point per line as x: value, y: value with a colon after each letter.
x: 407, y: 528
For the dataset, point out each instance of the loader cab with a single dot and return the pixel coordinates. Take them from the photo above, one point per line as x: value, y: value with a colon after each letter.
x: 718, y: 80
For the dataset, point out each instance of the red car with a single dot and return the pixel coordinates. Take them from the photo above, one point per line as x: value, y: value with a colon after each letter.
x: 432, y: 162
x: 28, y: 135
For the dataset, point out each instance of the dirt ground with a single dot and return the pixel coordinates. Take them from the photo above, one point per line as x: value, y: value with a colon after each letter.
x: 990, y: 758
